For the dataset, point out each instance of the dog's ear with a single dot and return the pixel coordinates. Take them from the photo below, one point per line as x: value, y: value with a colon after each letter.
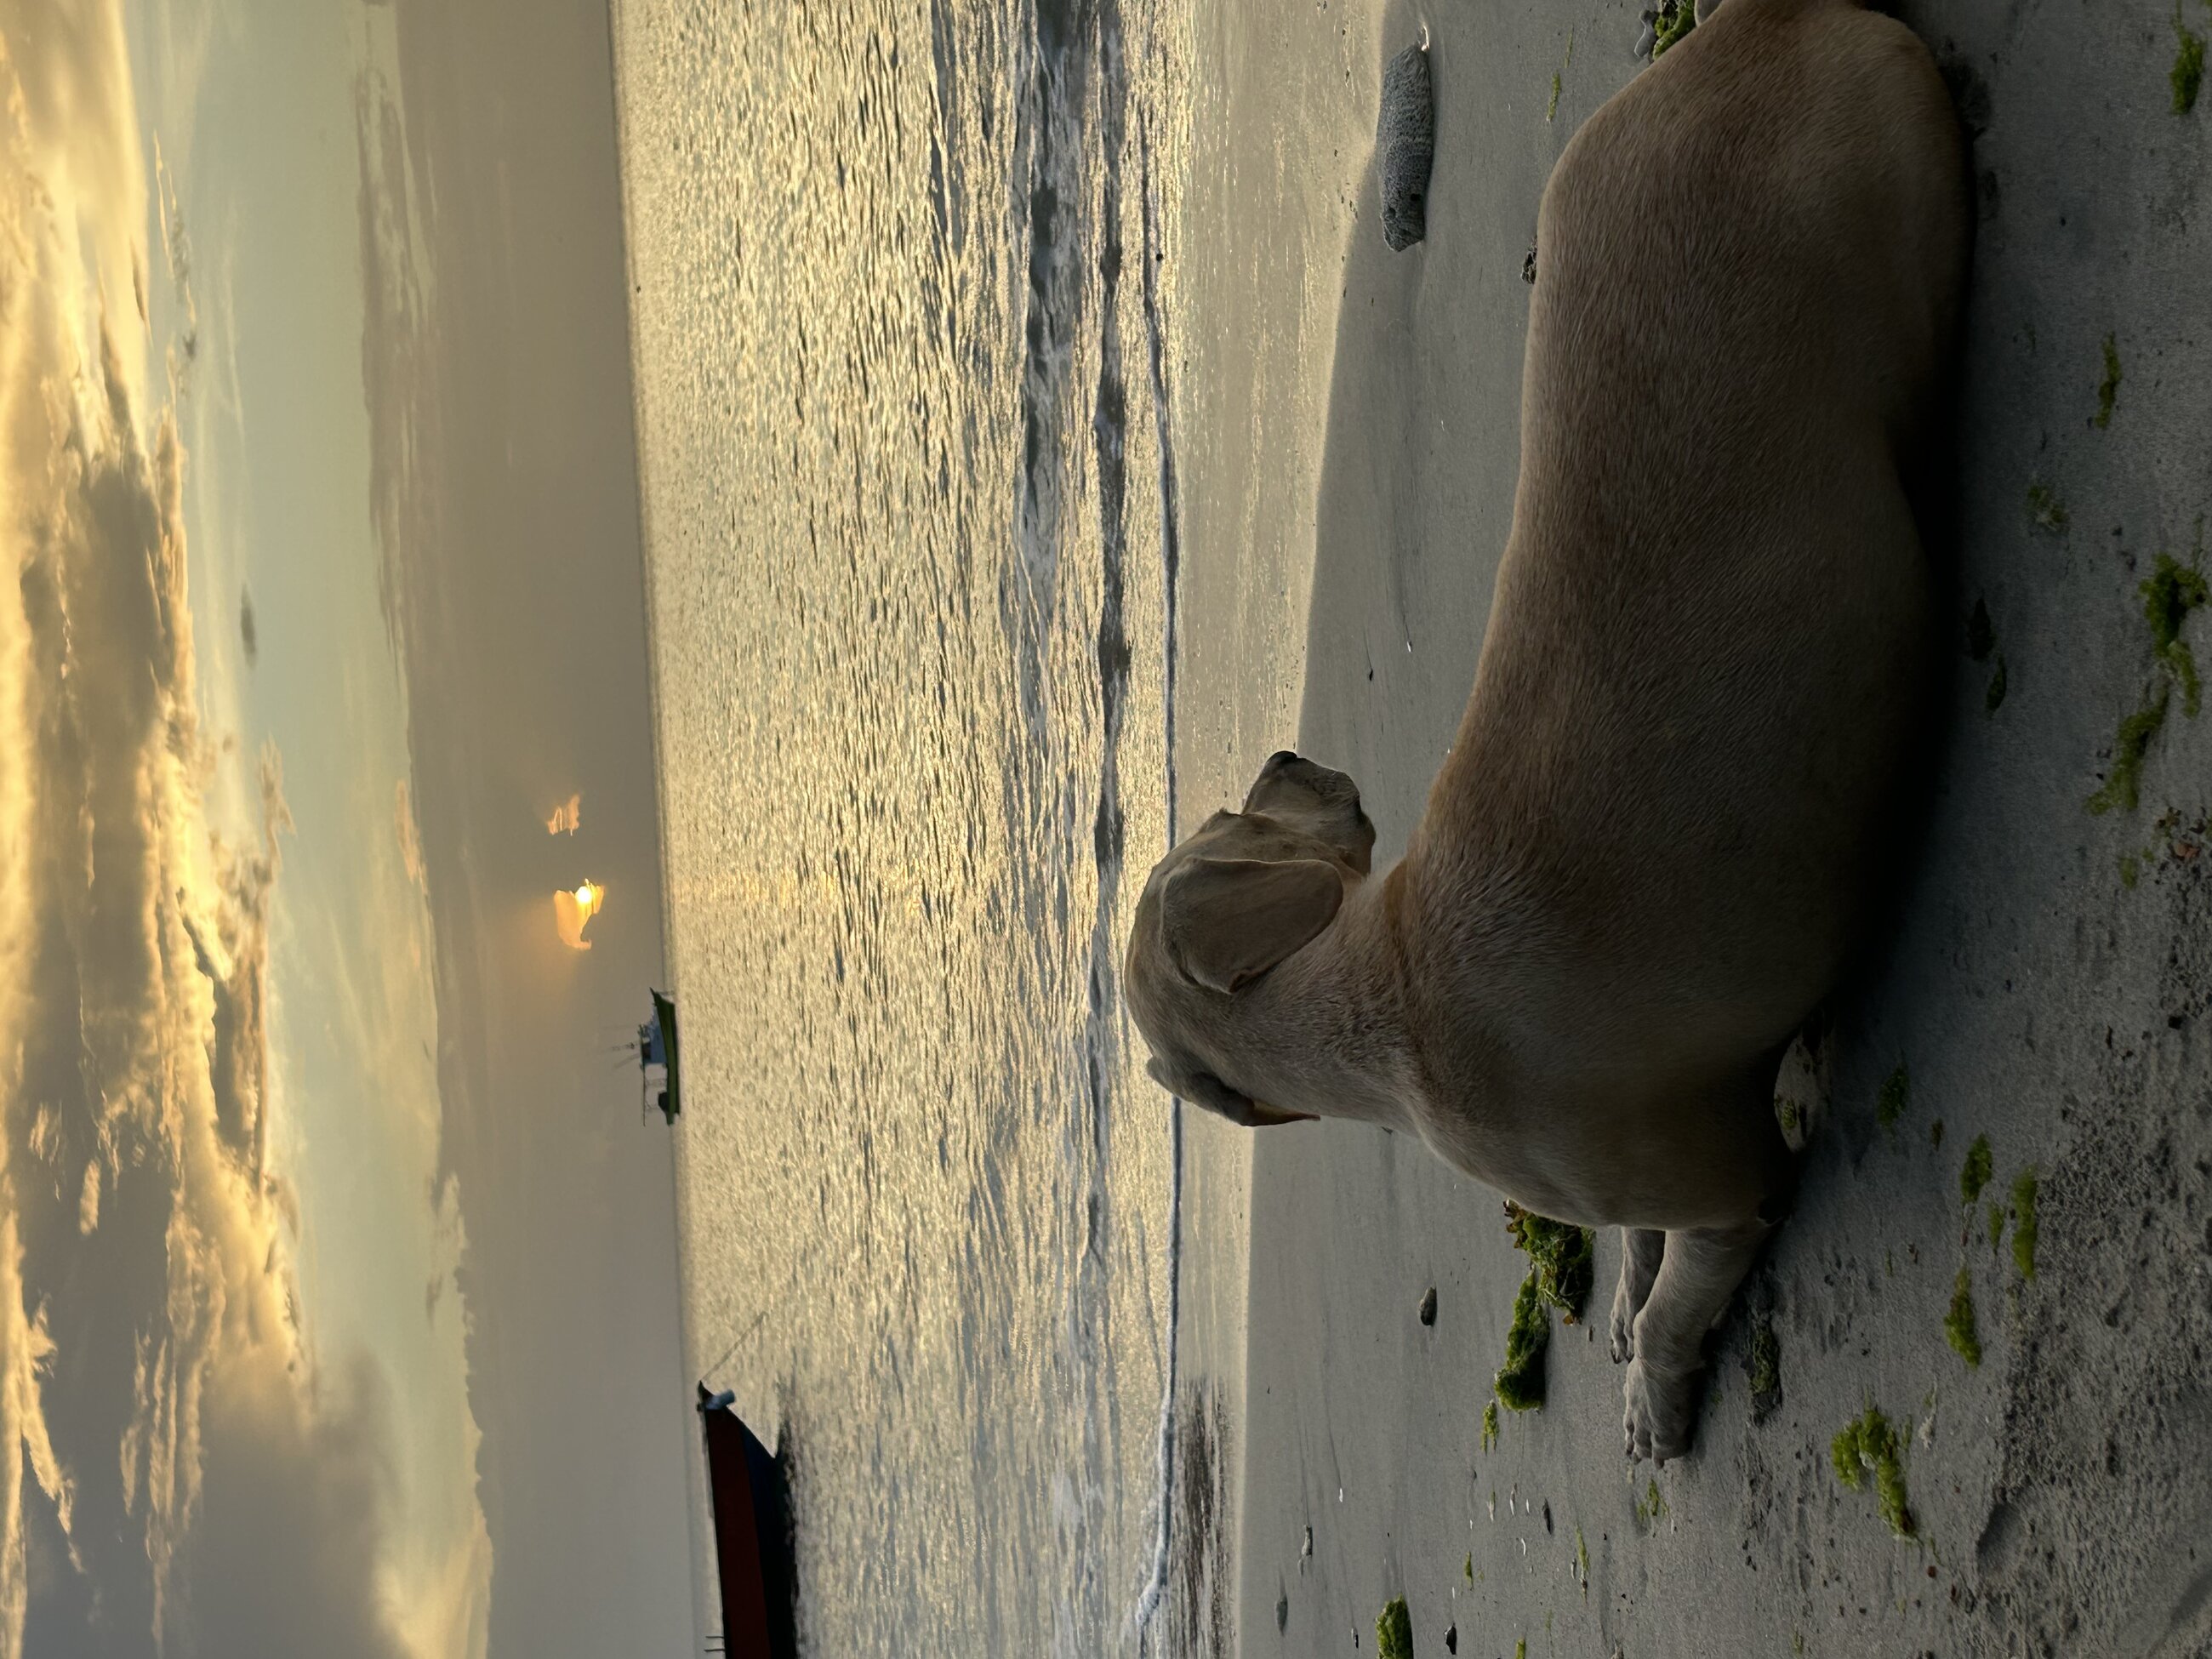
x: 1204, y: 1089
x: 1228, y: 921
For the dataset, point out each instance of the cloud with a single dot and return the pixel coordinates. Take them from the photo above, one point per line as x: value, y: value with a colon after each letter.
x: 203, y: 1483
x: 410, y: 836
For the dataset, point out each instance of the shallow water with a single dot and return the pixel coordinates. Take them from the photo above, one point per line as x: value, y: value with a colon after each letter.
x: 900, y: 345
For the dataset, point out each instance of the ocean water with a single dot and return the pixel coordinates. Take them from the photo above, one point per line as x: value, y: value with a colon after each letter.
x: 903, y: 334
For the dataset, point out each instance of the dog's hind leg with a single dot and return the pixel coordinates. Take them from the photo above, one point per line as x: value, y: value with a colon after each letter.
x: 1640, y: 1251
x: 1699, y: 1273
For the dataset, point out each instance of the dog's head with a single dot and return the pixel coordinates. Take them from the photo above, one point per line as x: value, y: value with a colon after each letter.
x: 1251, y: 889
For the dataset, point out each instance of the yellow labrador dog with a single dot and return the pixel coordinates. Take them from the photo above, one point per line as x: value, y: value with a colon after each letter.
x: 1659, y: 830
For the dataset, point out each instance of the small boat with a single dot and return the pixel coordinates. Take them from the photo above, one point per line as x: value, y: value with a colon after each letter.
x: 656, y: 1046
x: 752, y: 1537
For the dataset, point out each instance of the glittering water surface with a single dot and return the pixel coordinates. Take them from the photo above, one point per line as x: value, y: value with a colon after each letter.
x: 908, y: 499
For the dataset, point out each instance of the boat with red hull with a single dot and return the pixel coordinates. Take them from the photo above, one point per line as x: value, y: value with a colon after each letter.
x: 752, y: 1537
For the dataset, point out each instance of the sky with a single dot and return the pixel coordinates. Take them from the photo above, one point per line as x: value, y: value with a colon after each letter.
x: 337, y: 1301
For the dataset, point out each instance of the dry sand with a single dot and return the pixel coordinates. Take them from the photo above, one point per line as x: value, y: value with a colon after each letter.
x: 1349, y: 424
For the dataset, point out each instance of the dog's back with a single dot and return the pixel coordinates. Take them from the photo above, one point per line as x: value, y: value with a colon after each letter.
x: 1710, y: 638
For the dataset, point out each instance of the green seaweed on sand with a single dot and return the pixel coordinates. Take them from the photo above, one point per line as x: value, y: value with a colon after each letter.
x: 2123, y: 787
x: 1552, y: 108
x: 1765, y: 1363
x: 1582, y: 1560
x: 2045, y: 506
x: 1974, y: 1173
x: 1560, y: 1273
x: 1520, y: 1380
x: 2187, y: 75
x: 1996, y: 1227
x: 2024, y: 1191
x: 1521, y: 1649
x: 1790, y: 1116
x: 1394, y: 1631
x: 2109, y: 387
x: 1651, y: 1508
x: 1896, y: 1095
x: 1560, y: 1256
x: 2131, y: 869
x: 1866, y: 1446
x: 1676, y: 18
x: 1490, y: 1425
x: 1959, y: 1324
x: 2171, y: 591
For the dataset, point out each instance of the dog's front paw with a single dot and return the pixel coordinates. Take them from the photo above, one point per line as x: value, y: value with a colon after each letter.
x: 1661, y: 1407
x: 1625, y: 1309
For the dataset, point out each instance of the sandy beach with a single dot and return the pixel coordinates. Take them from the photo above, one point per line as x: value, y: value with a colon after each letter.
x: 1349, y: 425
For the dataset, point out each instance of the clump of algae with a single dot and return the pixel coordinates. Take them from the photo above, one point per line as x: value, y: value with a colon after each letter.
x: 1868, y: 1446
x: 2024, y: 1191
x: 1490, y: 1425
x: 2171, y: 592
x: 1974, y: 1173
x: 1394, y: 1631
x: 1651, y: 1508
x: 2045, y: 506
x: 1560, y: 1272
x: 1520, y: 1380
x: 1560, y: 1256
x: 1765, y: 1359
x: 2187, y: 75
x: 2124, y: 788
x: 2109, y: 387
x: 1582, y: 1561
x: 1896, y: 1094
x: 1959, y: 1324
x: 1676, y: 18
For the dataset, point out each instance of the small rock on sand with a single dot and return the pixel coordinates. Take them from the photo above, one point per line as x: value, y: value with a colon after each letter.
x: 1429, y: 1306
x: 1405, y: 143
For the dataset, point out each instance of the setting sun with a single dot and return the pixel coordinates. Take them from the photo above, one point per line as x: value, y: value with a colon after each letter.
x: 572, y: 910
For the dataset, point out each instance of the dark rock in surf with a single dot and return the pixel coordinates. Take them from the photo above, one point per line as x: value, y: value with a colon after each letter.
x: 1406, y: 146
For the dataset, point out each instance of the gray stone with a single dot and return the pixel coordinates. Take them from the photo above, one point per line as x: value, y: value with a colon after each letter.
x: 1406, y: 146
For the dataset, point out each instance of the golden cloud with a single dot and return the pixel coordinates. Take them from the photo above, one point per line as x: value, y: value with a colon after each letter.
x: 212, y: 1486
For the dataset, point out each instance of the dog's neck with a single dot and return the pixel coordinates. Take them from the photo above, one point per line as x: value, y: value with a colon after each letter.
x: 1324, y: 1033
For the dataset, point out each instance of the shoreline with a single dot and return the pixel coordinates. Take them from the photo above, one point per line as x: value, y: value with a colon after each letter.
x: 1281, y: 130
